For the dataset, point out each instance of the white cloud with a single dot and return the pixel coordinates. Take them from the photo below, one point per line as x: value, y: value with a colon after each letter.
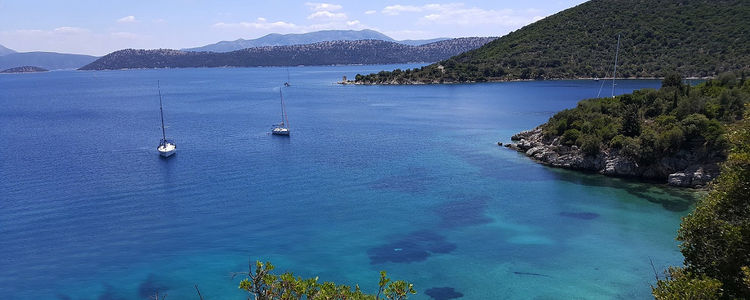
x: 324, y: 16
x: 327, y: 15
x: 477, y: 16
x: 127, y: 19
x: 260, y: 23
x: 70, y: 30
x: 371, y: 12
x: 315, y: 6
x: 460, y: 14
x: 326, y: 12
x: 397, y: 9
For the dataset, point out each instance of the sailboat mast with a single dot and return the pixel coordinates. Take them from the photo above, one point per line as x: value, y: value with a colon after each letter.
x: 161, y: 111
x: 614, y: 73
x: 283, y: 121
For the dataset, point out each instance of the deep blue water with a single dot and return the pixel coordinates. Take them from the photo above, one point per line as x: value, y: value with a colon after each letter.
x: 407, y: 179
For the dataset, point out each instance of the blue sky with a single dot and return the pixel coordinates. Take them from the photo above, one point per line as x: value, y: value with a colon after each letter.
x: 99, y: 27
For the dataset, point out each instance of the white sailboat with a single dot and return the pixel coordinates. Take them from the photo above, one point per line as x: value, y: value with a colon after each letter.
x: 166, y: 147
x: 283, y: 127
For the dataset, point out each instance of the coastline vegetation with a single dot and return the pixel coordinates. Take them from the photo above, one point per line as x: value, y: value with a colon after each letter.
x: 649, y: 124
x: 716, y: 236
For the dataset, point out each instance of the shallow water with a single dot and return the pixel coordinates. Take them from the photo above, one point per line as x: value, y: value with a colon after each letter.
x: 407, y: 179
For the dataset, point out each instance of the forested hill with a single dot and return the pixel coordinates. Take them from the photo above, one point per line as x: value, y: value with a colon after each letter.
x: 323, y: 53
x: 695, y: 38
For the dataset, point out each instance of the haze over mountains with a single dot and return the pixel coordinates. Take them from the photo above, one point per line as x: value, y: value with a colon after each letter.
x: 276, y: 39
x: 46, y: 60
x: 5, y: 51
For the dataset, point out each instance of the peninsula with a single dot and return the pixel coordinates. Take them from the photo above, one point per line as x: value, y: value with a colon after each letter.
x: 699, y: 38
x: 674, y: 134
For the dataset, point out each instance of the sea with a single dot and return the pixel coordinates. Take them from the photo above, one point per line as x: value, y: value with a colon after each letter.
x: 404, y: 179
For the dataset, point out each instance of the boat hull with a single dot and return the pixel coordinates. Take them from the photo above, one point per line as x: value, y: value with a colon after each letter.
x: 167, y: 153
x: 166, y: 150
x: 280, y: 131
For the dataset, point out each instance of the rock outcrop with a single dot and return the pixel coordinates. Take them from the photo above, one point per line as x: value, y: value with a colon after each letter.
x: 683, y: 169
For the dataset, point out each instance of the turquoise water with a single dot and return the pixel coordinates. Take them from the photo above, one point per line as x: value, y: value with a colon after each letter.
x: 407, y: 179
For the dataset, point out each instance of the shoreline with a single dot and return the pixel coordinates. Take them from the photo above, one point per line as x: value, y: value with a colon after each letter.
x: 352, y: 82
x: 680, y: 170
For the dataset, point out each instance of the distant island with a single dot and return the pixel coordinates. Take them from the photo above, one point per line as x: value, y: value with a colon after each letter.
x: 24, y: 69
x: 699, y: 38
x: 275, y: 39
x: 322, y: 53
x: 674, y: 134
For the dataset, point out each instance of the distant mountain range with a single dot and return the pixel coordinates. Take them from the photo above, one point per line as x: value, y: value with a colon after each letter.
x: 46, y: 60
x: 4, y: 51
x: 276, y: 39
x: 321, y: 53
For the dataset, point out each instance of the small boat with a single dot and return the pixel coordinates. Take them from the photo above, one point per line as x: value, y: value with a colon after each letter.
x: 283, y: 127
x: 287, y: 78
x: 166, y: 147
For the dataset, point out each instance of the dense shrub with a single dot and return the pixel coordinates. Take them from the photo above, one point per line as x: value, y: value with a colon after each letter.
x: 649, y: 124
x: 570, y: 137
x: 716, y: 236
x: 590, y: 145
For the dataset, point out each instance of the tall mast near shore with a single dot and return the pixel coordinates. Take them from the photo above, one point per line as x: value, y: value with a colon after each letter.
x: 614, y: 73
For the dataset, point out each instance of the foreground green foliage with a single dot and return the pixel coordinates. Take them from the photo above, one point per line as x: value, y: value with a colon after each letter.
x: 680, y: 284
x: 698, y: 38
x: 651, y: 124
x: 265, y: 286
x: 716, y: 236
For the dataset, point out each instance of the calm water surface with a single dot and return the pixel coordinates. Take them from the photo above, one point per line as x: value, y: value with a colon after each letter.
x: 407, y: 179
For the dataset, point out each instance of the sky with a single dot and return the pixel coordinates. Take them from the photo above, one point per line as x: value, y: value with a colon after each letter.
x: 98, y: 27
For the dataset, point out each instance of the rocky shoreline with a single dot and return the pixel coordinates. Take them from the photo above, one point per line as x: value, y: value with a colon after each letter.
x: 683, y: 169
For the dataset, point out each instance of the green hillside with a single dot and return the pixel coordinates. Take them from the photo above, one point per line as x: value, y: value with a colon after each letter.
x: 696, y: 38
